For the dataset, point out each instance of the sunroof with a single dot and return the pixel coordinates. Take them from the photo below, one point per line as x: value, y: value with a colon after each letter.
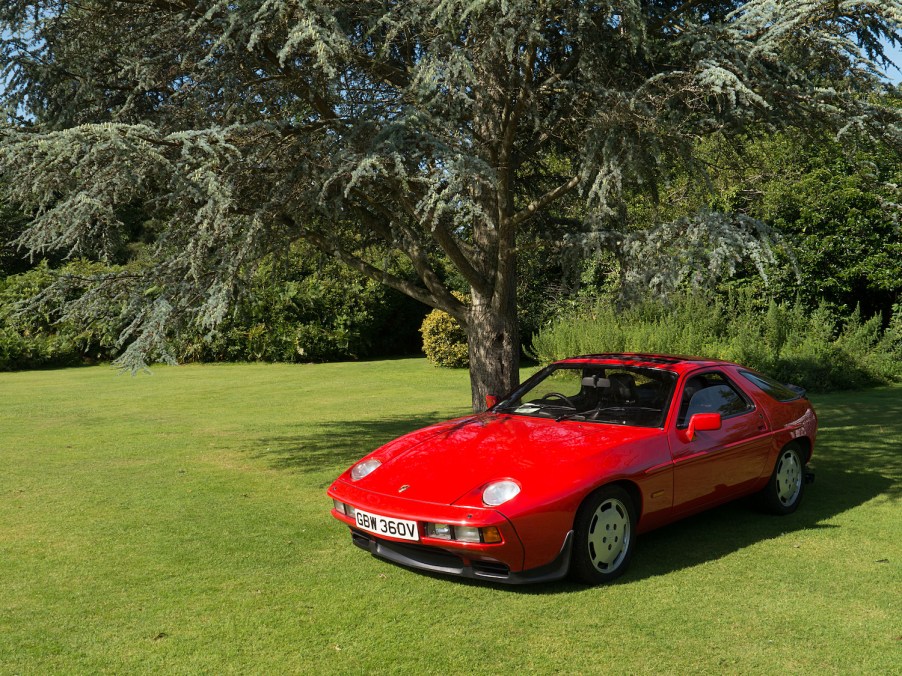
x: 653, y: 358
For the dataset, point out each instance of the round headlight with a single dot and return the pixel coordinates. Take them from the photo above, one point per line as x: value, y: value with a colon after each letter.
x: 361, y: 469
x: 499, y: 492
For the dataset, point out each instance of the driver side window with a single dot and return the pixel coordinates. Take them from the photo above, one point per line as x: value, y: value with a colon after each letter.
x: 711, y: 393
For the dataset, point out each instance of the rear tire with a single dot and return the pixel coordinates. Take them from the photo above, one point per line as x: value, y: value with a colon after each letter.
x: 786, y: 486
x: 605, y: 535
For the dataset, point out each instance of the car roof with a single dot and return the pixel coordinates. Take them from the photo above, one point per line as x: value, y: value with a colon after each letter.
x: 679, y: 364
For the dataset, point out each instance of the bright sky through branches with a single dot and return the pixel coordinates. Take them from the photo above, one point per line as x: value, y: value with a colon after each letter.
x: 894, y: 75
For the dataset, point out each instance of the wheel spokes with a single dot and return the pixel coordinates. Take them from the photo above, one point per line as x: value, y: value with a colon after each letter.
x: 789, y: 478
x: 609, y: 534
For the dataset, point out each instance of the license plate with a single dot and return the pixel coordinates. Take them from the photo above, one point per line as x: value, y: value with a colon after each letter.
x: 383, y: 525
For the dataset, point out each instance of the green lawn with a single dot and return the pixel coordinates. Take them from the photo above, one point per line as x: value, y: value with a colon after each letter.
x: 178, y: 522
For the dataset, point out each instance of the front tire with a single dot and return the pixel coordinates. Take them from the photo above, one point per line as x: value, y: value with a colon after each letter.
x: 605, y: 535
x: 786, y: 486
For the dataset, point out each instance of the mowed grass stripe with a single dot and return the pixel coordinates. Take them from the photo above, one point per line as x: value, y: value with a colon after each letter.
x: 177, y: 523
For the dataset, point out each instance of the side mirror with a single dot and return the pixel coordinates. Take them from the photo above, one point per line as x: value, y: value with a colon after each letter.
x: 703, y: 422
x: 490, y: 401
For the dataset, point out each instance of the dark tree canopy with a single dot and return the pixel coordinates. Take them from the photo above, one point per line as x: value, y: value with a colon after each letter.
x: 393, y: 134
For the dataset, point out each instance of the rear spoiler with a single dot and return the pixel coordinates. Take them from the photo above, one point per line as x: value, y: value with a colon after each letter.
x: 801, y: 391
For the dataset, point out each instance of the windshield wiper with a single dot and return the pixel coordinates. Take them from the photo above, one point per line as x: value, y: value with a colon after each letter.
x: 570, y: 416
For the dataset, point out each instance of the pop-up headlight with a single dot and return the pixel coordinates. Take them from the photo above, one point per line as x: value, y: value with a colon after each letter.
x: 361, y: 469
x: 499, y: 492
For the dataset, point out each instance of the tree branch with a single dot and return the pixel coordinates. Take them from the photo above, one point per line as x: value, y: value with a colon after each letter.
x: 667, y: 18
x: 451, y: 247
x: 411, y: 245
x: 565, y: 70
x: 330, y: 246
x: 541, y: 202
x: 454, y: 248
x: 320, y: 105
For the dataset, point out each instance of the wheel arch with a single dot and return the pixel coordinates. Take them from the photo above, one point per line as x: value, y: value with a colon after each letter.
x: 804, y: 444
x: 588, y: 563
x: 631, y: 488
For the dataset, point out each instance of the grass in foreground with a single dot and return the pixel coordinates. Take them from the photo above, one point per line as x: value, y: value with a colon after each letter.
x: 178, y: 523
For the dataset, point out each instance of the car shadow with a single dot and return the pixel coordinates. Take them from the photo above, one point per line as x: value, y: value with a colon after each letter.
x: 856, y: 458
x: 724, y: 530
x: 727, y: 529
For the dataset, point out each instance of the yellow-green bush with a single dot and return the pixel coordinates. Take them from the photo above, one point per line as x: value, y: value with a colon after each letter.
x: 444, y: 340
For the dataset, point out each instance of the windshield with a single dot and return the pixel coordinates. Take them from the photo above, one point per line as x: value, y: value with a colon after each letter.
x: 620, y: 395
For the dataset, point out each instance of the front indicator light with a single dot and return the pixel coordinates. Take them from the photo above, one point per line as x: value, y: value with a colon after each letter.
x: 468, y: 534
x: 343, y: 508
x: 491, y: 535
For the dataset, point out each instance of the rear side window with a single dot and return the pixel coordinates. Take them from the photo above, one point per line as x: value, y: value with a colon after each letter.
x: 770, y: 386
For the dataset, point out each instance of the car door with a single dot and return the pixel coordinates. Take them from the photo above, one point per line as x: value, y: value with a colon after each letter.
x: 718, y: 465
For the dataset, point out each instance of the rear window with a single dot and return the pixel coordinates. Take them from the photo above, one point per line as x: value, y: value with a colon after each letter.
x: 769, y: 386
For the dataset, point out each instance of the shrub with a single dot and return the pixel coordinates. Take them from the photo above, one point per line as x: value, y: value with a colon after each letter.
x: 39, y: 337
x: 302, y: 307
x: 305, y: 307
x: 817, y: 350
x: 444, y: 340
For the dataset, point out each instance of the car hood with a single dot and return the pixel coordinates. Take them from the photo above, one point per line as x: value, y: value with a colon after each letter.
x: 450, y: 463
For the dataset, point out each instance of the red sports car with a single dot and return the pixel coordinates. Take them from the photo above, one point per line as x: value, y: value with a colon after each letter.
x: 562, y: 474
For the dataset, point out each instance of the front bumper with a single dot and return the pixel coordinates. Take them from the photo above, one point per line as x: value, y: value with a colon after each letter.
x: 441, y: 561
x: 499, y: 562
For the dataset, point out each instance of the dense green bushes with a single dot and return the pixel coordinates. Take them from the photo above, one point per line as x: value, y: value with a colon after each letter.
x: 836, y: 210
x: 308, y: 309
x: 817, y: 350
x: 36, y: 336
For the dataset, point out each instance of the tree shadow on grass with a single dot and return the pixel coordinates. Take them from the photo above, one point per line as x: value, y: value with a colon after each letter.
x: 857, y: 458
x: 313, y: 448
x: 862, y: 431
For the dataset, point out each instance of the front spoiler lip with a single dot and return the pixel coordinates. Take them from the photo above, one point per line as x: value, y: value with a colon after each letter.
x: 420, y: 557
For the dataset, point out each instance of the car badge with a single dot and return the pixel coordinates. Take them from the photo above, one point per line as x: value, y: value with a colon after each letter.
x: 403, y: 488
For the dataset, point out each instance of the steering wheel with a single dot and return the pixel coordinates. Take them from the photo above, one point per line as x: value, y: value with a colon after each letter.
x: 558, y: 395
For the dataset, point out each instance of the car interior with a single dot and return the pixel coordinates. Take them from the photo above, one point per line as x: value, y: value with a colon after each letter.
x: 619, y: 395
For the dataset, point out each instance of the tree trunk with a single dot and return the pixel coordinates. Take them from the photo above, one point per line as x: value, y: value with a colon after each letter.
x: 493, y: 337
